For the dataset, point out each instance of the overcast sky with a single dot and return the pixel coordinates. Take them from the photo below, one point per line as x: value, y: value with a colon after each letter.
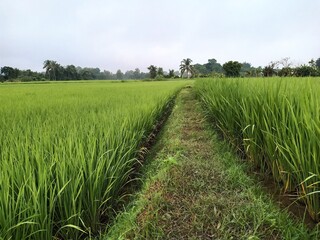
x: 128, y: 34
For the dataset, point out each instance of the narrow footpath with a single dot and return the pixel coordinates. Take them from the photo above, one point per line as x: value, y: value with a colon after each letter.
x: 195, y: 187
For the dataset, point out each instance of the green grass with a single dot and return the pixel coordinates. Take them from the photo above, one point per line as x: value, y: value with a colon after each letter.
x: 67, y: 150
x: 275, y: 123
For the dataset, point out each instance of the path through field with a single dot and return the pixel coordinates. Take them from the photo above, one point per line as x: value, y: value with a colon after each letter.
x: 201, y: 189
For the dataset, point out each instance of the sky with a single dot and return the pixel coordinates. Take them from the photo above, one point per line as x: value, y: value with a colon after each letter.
x: 124, y: 34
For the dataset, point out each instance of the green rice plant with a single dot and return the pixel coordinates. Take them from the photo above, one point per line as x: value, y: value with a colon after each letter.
x: 276, y: 123
x: 67, y: 150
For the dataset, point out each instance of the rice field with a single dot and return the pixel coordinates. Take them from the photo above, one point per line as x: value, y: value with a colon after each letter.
x: 67, y: 150
x: 275, y: 123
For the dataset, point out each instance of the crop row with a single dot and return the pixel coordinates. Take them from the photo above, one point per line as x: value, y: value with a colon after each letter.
x: 275, y: 124
x: 66, y: 151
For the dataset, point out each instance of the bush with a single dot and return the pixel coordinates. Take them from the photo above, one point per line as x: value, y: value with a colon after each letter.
x: 159, y: 78
x: 286, y: 72
x: 232, y: 68
x: 305, y: 71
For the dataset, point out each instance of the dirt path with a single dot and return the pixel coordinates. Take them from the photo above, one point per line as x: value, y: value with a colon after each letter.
x: 197, y: 189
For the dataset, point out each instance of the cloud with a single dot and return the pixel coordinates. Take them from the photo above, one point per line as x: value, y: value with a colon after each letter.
x: 127, y: 34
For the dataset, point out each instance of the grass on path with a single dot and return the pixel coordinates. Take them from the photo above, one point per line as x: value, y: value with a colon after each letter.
x: 196, y: 188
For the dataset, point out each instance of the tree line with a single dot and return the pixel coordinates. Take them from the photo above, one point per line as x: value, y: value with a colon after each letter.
x: 54, y: 71
x: 283, y: 68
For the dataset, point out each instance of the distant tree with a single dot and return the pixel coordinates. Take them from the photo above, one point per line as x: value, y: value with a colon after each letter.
x: 254, y: 72
x: 48, y: 67
x: 232, y: 68
x: 52, y: 69
x: 285, y: 62
x: 96, y: 71
x: 248, y: 73
x: 213, y: 66
x: 90, y: 73
x: 209, y: 68
x: 171, y: 73
x: 152, y: 71
x: 85, y: 74
x: 318, y: 62
x: 145, y: 75
x: 101, y: 76
x: 128, y: 75
x: 270, y: 69
x: 200, y: 69
x: 286, y: 72
x: 259, y: 71
x: 160, y: 72
x: 305, y: 71
x: 246, y: 70
x: 9, y: 72
x: 71, y: 73
x: 28, y: 75
x: 245, y: 67
x: 108, y: 75
x: 27, y: 72
x: 119, y: 75
x: 312, y: 63
x: 186, y: 66
x: 137, y: 74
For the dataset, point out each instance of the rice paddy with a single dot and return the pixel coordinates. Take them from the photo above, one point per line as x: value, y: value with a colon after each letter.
x: 275, y: 124
x: 67, y: 150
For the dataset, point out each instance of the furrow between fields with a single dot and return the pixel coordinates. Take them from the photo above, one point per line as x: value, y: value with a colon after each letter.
x: 196, y: 188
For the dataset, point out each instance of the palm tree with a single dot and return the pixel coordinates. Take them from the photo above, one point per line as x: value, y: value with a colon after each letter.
x: 153, y: 71
x: 186, y: 66
x: 51, y: 69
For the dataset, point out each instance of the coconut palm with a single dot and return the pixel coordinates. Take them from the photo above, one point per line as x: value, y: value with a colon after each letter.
x: 51, y: 69
x: 186, y: 66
